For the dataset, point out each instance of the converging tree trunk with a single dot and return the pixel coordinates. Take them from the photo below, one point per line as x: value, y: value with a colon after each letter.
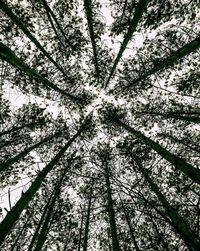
x: 39, y: 225
x: 126, y: 214
x: 9, y: 56
x: 85, y: 240
x: 42, y: 236
x: 12, y: 216
x: 88, y: 12
x: 15, y: 128
x: 170, y: 60
x: 179, y: 163
x: 110, y: 209
x: 7, y: 10
x: 7, y: 164
x: 178, y: 223
x: 139, y: 10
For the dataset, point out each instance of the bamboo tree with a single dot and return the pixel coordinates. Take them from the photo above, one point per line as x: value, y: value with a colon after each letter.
x: 176, y: 161
x: 88, y: 12
x: 7, y: 164
x: 8, y: 55
x: 42, y: 236
x: 110, y: 208
x: 139, y: 10
x: 85, y: 240
x: 170, y: 60
x: 12, y: 216
x: 7, y: 10
x: 179, y: 224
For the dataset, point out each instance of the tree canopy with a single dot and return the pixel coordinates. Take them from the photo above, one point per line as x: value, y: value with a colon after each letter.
x: 100, y: 114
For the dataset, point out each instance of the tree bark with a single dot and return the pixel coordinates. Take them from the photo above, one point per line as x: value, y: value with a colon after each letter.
x: 42, y: 236
x: 37, y: 230
x: 21, y: 232
x: 130, y: 227
x: 51, y: 14
x: 179, y: 163
x: 172, y: 115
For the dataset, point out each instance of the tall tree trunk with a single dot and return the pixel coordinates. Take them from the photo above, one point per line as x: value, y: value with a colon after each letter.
x: 139, y: 10
x: 42, y: 236
x: 37, y: 230
x: 80, y: 232
x: 15, y: 128
x: 51, y: 14
x: 170, y: 60
x: 85, y: 241
x: 179, y: 163
x: 21, y: 232
x: 171, y: 115
x: 110, y: 209
x: 6, y: 9
x: 6, y: 164
x: 88, y: 12
x: 9, y: 56
x: 178, y: 223
x: 12, y: 216
x: 196, y: 148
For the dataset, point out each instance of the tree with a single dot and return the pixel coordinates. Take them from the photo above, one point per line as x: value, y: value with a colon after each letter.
x: 114, y: 165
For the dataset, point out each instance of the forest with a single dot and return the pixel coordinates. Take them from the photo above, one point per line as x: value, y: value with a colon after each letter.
x: 99, y: 125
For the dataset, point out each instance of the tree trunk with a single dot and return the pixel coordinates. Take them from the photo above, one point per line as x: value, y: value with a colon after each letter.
x: 51, y: 14
x: 85, y: 241
x: 21, y: 232
x: 178, y: 223
x: 139, y: 10
x: 170, y: 60
x: 181, y: 141
x: 42, y: 236
x: 110, y: 208
x: 8, y: 55
x: 130, y: 227
x: 88, y: 11
x: 37, y: 230
x: 14, y: 129
x: 5, y: 8
x: 5, y: 165
x: 179, y: 163
x: 178, y: 116
x: 12, y: 216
